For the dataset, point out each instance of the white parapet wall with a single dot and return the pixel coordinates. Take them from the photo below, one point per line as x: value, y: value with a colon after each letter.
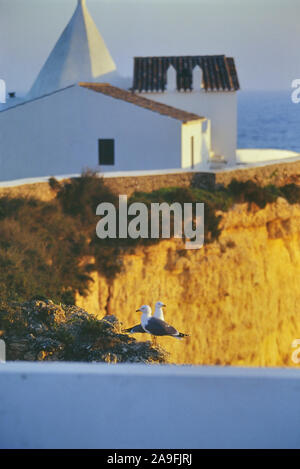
x: 62, y: 405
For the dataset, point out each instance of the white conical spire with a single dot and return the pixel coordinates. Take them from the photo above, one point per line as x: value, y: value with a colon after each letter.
x: 79, y: 54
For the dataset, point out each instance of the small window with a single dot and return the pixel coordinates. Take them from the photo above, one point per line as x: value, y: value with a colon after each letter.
x: 106, y: 150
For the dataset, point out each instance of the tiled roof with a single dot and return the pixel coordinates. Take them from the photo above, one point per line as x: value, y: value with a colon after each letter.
x: 130, y: 97
x: 219, y: 72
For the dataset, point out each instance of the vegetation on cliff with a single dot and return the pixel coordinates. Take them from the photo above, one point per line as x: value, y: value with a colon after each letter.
x: 43, y: 244
x: 42, y: 330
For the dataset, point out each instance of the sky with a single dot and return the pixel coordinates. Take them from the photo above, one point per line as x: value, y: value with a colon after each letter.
x: 262, y: 35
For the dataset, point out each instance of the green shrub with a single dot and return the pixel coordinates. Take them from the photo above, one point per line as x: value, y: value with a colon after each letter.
x: 79, y: 197
x: 252, y: 193
x: 291, y: 192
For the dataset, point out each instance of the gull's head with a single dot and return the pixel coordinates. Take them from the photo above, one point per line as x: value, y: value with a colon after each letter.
x: 159, y: 304
x: 145, y: 309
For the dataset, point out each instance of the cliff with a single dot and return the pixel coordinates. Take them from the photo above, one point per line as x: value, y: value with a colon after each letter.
x: 44, y: 331
x: 239, y: 297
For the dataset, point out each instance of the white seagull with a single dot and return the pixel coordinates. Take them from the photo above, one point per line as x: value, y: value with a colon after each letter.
x: 156, y: 326
x: 158, y: 313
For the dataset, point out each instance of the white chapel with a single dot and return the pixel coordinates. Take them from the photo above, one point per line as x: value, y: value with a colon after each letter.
x: 179, y: 113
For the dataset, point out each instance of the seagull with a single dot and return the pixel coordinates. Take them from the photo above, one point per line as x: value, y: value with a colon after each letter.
x: 158, y: 313
x: 156, y: 326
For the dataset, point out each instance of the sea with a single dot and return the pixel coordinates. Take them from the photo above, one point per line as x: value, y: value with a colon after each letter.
x: 268, y: 119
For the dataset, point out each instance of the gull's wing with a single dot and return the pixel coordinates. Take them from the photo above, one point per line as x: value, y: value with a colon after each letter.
x: 136, y: 329
x: 156, y: 326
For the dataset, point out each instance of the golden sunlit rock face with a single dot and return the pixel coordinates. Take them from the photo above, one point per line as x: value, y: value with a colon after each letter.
x: 239, y: 298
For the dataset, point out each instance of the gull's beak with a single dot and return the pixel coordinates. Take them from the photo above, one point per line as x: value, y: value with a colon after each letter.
x: 137, y: 310
x: 164, y: 306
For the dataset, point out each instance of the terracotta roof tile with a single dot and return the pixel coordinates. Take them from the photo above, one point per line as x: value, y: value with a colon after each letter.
x: 219, y: 72
x: 118, y: 93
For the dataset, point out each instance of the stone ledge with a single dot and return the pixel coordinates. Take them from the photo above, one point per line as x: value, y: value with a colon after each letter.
x: 278, y: 174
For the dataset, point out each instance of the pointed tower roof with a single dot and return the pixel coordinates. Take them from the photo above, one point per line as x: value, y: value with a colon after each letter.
x: 79, y: 54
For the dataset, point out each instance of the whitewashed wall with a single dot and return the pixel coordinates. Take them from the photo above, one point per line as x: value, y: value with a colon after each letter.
x: 191, y: 130
x: 2, y: 92
x: 219, y: 107
x: 51, y: 405
x: 59, y: 134
x: 202, y: 144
